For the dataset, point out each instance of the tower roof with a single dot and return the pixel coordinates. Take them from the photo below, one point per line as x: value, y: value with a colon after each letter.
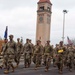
x: 41, y: 1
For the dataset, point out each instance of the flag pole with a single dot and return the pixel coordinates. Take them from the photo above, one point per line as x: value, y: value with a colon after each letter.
x: 6, y: 33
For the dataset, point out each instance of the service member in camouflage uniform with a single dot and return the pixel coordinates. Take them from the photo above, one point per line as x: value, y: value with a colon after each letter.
x: 27, y: 54
x: 70, y: 57
x: 48, y: 51
x: 74, y: 57
x: 31, y: 50
x: 37, y: 53
x: 3, y: 52
x: 19, y: 50
x: 60, y: 60
x: 55, y: 52
x: 9, y: 54
x: 41, y: 55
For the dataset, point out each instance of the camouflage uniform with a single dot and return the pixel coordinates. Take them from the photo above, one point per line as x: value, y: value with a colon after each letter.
x: 65, y: 55
x: 70, y: 57
x: 60, y: 57
x: 31, y: 50
x: 19, y: 50
x: 3, y: 52
x: 48, y: 51
x: 41, y: 50
x: 10, y: 54
x: 37, y: 54
x: 55, y: 52
x: 27, y: 52
x: 60, y: 62
x: 74, y: 58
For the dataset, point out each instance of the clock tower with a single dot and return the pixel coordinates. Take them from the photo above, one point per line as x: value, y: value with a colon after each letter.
x: 43, y: 21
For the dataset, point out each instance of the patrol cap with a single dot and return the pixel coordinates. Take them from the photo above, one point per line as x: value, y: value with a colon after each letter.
x: 38, y: 41
x: 11, y: 36
x: 27, y: 39
x: 30, y: 40
x: 48, y: 40
x: 61, y: 42
x: 18, y: 38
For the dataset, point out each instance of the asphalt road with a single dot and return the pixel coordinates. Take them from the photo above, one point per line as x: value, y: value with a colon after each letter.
x: 40, y: 71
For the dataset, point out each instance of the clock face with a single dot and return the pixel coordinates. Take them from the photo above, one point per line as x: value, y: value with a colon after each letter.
x: 41, y: 19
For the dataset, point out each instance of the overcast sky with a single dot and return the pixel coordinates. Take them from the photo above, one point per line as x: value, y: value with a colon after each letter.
x: 20, y: 17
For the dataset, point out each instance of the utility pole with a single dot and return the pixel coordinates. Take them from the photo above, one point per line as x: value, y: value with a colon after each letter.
x: 64, y: 12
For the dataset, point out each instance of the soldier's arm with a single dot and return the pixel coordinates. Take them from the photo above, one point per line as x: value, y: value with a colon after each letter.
x: 33, y: 49
x: 51, y: 51
x: 15, y: 47
x: 4, y: 49
x: 21, y: 49
x: 42, y: 50
x: 24, y: 48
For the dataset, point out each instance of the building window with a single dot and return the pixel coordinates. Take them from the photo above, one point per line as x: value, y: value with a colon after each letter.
x: 41, y: 8
x: 48, y: 8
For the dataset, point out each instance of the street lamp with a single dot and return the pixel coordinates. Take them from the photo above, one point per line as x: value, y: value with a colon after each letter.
x: 64, y: 12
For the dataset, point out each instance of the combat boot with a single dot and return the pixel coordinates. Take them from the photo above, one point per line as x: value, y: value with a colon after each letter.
x: 25, y: 66
x: 35, y: 68
x: 1, y: 67
x: 28, y: 65
x: 16, y: 66
x: 12, y: 68
x: 6, y: 71
x: 60, y: 71
x: 46, y: 70
x: 70, y: 70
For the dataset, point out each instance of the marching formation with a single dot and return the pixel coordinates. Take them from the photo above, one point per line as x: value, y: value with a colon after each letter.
x: 61, y: 55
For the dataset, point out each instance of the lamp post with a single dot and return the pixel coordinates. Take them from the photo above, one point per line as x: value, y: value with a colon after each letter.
x: 64, y: 12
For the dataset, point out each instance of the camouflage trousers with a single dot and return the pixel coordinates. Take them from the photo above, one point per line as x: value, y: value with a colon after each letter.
x: 3, y: 62
x: 70, y: 62
x: 27, y: 59
x: 17, y: 57
x: 47, y: 61
x: 60, y: 66
x: 60, y: 63
x: 37, y: 58
x: 54, y: 60
x: 8, y: 59
x: 74, y: 62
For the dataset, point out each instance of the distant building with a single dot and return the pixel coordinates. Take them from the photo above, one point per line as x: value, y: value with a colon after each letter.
x: 43, y: 21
